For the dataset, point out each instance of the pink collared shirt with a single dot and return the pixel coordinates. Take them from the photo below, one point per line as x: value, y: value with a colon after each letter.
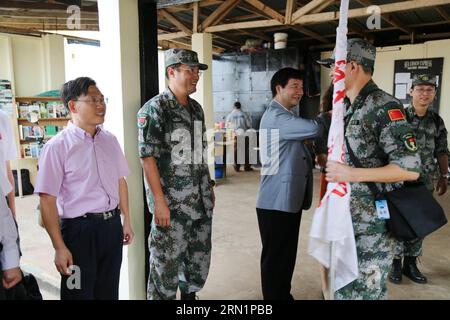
x: 82, y: 171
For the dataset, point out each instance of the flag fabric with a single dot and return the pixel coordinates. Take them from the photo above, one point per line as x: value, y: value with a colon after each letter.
x: 332, y: 240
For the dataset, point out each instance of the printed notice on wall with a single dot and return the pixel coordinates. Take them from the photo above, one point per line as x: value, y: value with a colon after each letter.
x: 6, y: 98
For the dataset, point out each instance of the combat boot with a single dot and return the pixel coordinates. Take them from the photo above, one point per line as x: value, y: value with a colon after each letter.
x: 410, y: 270
x: 395, y: 275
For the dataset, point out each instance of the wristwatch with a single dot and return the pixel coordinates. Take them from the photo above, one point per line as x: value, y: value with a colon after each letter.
x: 446, y: 176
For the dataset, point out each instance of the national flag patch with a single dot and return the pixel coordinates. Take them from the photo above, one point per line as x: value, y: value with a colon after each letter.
x: 396, y: 114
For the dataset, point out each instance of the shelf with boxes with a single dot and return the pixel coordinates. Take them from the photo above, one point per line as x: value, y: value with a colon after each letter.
x: 39, y: 119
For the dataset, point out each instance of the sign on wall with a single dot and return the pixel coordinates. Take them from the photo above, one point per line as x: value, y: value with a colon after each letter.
x: 6, y: 98
x: 404, y: 72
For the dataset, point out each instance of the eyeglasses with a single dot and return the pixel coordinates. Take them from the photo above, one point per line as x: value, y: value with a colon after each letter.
x: 102, y: 101
x: 427, y: 91
x: 192, y: 70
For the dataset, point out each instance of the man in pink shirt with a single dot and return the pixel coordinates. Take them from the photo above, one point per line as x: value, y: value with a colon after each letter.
x: 82, y: 192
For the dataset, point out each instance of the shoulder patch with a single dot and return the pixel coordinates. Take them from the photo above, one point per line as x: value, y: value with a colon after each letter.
x: 396, y: 115
x: 141, y: 121
x: 410, y: 142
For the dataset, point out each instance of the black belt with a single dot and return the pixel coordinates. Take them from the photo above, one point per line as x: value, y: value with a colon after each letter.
x: 98, y: 215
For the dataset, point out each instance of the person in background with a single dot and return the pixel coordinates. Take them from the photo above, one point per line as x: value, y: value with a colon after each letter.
x: 240, y: 121
x: 431, y: 137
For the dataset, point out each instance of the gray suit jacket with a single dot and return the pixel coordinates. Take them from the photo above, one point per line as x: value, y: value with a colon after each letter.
x: 286, y: 175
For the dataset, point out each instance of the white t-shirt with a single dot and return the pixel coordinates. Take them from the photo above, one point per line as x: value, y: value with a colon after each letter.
x: 7, y: 151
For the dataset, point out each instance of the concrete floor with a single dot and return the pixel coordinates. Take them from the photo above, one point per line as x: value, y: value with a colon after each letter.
x: 235, y: 272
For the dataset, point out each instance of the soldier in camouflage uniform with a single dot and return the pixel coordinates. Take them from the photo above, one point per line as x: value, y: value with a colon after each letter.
x: 382, y: 140
x: 432, y: 142
x: 178, y: 185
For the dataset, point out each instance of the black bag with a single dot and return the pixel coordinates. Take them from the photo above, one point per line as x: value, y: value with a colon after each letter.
x: 26, y: 289
x: 27, y: 187
x: 414, y: 212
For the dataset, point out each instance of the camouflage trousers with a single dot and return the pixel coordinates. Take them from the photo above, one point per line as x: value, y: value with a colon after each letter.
x: 179, y: 258
x: 375, y: 254
x: 408, y: 248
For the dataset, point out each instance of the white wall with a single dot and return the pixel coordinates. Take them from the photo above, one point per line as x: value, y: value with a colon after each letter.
x: 6, y: 60
x: 53, y: 46
x: 83, y: 60
x: 28, y: 65
x: 37, y: 63
x: 384, y: 68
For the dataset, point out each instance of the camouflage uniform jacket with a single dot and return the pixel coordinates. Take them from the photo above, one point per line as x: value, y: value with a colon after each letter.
x: 431, y: 137
x: 166, y: 131
x: 378, y: 133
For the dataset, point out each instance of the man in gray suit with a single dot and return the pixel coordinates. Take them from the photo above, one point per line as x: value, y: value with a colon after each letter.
x: 286, y: 182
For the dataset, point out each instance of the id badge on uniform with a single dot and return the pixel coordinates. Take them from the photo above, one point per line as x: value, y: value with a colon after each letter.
x: 382, y: 209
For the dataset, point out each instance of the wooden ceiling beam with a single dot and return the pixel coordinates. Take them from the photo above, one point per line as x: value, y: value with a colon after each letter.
x: 256, y: 34
x: 392, y: 20
x: 225, y: 7
x: 184, y: 45
x: 243, y: 18
x: 228, y: 38
x: 388, y: 18
x: 266, y: 10
x: 166, y: 15
x: 443, y: 14
x: 171, y: 36
x: 48, y: 26
x: 291, y: 6
x: 244, y: 25
x: 307, y: 9
x: 362, y: 12
x: 52, y: 20
x: 44, y: 14
x: 188, y: 7
x: 317, y: 18
x: 195, y: 12
x: 21, y: 31
x: 8, y: 4
x: 310, y: 33
x: 324, y: 5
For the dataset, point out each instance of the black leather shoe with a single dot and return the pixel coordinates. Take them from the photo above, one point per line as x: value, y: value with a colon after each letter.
x: 395, y: 275
x: 189, y: 296
x: 411, y: 271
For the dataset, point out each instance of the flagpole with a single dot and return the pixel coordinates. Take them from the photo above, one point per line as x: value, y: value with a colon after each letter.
x: 340, y: 57
x: 332, y: 271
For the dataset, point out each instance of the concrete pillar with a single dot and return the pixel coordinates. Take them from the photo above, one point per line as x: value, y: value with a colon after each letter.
x: 202, y: 44
x: 54, y: 63
x: 163, y: 83
x: 118, y: 21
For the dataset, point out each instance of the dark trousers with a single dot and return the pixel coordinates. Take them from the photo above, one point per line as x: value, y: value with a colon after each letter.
x: 96, y: 247
x: 2, y: 290
x: 279, y: 236
x: 237, y: 163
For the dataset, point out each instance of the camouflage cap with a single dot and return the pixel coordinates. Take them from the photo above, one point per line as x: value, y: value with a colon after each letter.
x: 424, y: 79
x: 358, y: 50
x: 184, y: 56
